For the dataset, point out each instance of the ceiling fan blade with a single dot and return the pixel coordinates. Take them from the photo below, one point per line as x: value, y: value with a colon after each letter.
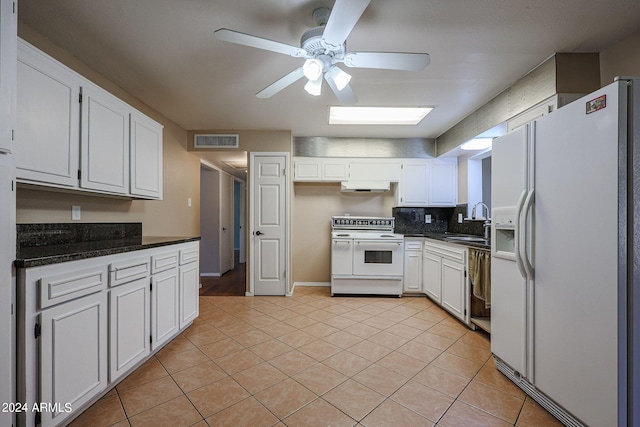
x: 343, y: 18
x: 278, y: 85
x: 259, y: 42
x: 387, y: 60
x: 346, y: 96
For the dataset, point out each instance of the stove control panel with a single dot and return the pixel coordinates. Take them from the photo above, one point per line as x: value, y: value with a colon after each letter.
x: 362, y: 223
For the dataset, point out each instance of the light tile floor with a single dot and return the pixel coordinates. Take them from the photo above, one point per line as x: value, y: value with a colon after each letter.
x: 317, y: 360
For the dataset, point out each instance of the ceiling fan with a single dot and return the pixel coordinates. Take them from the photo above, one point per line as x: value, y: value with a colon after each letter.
x: 323, y: 47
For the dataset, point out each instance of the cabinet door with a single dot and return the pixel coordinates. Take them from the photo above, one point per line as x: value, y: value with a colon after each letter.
x: 8, y: 37
x: 189, y: 289
x: 374, y: 170
x: 413, y: 184
x: 104, y: 147
x: 432, y: 276
x: 129, y: 326
x: 307, y: 169
x: 164, y: 307
x: 146, y: 157
x: 453, y: 287
x: 413, y: 271
x: 48, y: 119
x: 443, y: 182
x: 73, y: 355
x: 335, y: 169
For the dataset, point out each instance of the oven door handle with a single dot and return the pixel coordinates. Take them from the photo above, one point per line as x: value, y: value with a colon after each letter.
x: 377, y: 243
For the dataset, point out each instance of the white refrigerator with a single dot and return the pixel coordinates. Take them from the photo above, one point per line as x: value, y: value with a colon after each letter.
x: 565, y: 313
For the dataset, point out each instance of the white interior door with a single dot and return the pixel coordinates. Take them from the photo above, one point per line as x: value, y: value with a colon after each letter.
x: 269, y: 245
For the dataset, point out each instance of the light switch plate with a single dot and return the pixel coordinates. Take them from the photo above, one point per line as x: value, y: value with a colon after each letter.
x: 459, y: 218
x: 427, y: 219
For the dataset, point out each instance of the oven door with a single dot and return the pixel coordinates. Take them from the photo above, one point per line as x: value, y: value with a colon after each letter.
x: 378, y: 257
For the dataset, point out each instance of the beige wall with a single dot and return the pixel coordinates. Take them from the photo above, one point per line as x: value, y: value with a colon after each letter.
x: 621, y: 59
x: 313, y: 206
x: 181, y: 176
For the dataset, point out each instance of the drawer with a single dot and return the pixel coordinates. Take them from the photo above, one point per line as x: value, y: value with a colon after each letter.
x: 59, y: 288
x: 126, y: 271
x: 412, y: 245
x: 164, y: 261
x: 446, y: 251
x: 189, y: 254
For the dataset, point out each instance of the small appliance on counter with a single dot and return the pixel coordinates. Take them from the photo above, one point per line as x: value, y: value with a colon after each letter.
x: 367, y: 257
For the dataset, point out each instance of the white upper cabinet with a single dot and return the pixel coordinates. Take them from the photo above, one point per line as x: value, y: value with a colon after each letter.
x: 73, y: 134
x: 428, y: 182
x: 413, y: 190
x: 104, y: 142
x: 443, y: 182
x: 8, y: 37
x: 146, y: 157
x: 47, y: 134
x: 316, y: 169
x: 374, y: 169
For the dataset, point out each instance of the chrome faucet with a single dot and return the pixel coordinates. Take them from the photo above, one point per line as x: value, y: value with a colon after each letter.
x: 484, y: 208
x: 487, y: 220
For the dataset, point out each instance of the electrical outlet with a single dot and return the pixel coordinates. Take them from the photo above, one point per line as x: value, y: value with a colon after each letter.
x: 189, y: 201
x: 459, y: 218
x: 75, y: 213
x: 427, y: 219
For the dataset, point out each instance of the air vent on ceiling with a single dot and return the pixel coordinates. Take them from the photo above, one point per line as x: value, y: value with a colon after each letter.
x: 215, y: 141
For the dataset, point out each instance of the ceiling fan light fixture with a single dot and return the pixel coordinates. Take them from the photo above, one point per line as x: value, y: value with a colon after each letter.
x: 312, y: 68
x: 377, y: 115
x: 314, y: 87
x: 340, y: 78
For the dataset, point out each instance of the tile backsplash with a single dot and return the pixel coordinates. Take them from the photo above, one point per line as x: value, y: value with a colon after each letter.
x: 412, y: 220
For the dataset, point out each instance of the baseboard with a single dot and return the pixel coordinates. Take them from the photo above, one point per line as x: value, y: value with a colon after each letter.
x: 210, y: 274
x: 311, y: 284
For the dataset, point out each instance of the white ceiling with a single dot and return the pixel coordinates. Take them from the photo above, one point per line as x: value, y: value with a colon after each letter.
x: 164, y: 53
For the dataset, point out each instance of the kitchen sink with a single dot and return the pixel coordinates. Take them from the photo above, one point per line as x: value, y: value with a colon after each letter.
x: 468, y: 239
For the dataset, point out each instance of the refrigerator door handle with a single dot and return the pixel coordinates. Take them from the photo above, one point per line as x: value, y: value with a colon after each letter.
x: 522, y: 225
x: 517, y: 235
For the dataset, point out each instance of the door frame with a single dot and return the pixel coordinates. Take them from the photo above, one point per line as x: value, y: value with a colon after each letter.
x: 287, y: 219
x: 212, y: 167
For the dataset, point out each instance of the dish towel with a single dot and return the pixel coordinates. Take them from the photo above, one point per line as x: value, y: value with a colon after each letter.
x: 480, y: 275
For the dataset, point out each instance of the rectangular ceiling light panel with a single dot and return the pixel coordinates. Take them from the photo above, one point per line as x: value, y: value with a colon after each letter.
x: 377, y: 115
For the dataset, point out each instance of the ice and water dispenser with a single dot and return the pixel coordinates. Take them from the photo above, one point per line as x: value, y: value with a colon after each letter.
x: 504, y: 230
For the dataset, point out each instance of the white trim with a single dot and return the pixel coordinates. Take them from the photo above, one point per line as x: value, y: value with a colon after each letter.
x: 248, y: 294
x: 311, y: 284
x: 210, y: 274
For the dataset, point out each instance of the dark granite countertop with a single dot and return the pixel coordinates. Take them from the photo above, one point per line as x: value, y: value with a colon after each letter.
x: 442, y: 237
x: 44, y: 244
x: 53, y: 254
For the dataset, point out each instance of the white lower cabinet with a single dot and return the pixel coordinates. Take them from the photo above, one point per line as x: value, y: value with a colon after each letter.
x: 189, y: 285
x: 164, y: 307
x: 73, y: 357
x: 84, y: 325
x: 432, y: 275
x: 412, y: 265
x: 444, y: 276
x: 453, y: 287
x: 129, y: 321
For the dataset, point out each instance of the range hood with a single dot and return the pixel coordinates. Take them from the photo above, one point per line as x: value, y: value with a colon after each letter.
x: 365, y: 186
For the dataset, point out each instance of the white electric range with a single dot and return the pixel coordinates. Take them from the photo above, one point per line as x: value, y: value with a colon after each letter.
x: 367, y: 257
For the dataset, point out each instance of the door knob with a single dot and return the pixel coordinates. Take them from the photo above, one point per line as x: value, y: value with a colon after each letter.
x: 224, y: 228
x: 259, y: 233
